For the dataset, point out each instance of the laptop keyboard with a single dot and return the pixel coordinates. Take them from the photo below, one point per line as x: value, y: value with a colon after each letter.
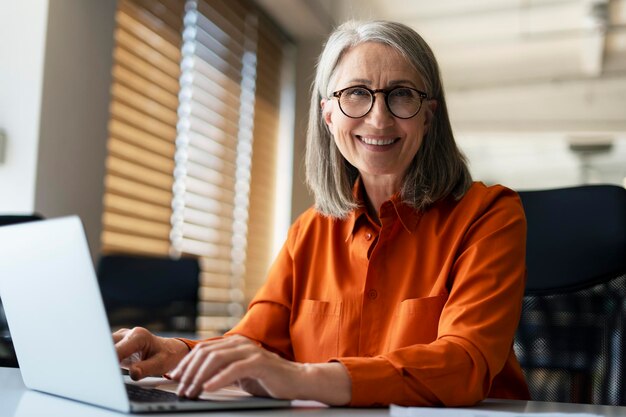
x: 139, y: 394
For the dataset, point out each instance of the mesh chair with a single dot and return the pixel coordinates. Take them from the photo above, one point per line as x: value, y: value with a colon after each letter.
x: 160, y: 294
x: 571, y: 341
x: 7, y: 354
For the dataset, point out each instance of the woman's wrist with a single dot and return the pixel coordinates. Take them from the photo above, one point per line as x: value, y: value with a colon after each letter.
x: 177, y: 348
x: 328, y: 383
x: 181, y: 340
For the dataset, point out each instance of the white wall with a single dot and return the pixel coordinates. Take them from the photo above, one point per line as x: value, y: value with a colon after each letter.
x: 55, y: 77
x: 75, y: 112
x: 21, y: 78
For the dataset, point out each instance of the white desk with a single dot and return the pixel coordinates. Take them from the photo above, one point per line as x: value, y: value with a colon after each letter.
x: 17, y: 401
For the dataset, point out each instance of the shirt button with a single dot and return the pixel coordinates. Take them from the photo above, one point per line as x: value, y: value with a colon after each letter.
x: 372, y: 294
x: 368, y: 236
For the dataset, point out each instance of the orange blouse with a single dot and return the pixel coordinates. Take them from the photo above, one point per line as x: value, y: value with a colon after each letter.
x: 421, y: 310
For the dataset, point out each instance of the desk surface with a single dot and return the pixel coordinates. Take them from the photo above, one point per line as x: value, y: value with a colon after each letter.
x: 17, y: 401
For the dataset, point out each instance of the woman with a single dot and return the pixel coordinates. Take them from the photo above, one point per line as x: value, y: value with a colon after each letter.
x: 404, y: 283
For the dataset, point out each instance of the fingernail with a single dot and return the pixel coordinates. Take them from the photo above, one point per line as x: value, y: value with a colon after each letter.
x: 190, y: 390
x: 135, y: 373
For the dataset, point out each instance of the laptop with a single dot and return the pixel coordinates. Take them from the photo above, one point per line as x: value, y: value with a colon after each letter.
x: 59, y: 325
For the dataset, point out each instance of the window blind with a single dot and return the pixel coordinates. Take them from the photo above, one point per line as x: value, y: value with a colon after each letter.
x: 270, y: 46
x: 214, y: 152
x: 142, y: 128
x: 193, y: 139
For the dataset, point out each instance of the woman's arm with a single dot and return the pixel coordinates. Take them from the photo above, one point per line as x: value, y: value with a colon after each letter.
x: 258, y: 355
x: 238, y: 360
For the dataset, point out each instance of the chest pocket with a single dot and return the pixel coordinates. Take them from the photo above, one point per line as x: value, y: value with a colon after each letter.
x: 315, y: 331
x: 416, y: 321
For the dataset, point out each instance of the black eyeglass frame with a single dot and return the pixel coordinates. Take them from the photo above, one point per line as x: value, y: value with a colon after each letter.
x: 423, y: 96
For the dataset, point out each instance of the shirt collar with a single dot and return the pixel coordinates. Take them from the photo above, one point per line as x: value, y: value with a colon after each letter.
x: 407, y: 215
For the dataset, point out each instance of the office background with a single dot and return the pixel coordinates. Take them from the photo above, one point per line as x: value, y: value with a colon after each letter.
x: 536, y: 89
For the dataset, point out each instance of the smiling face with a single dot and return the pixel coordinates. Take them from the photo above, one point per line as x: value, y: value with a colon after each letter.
x: 378, y: 144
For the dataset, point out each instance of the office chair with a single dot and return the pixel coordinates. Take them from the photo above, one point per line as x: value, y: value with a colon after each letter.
x: 160, y: 294
x: 571, y: 340
x: 7, y: 354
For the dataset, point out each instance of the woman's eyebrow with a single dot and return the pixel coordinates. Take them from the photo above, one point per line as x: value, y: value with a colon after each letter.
x: 391, y: 83
x: 402, y: 82
x: 360, y: 81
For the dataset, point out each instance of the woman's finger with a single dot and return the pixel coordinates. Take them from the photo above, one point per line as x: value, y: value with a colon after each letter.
x: 131, y: 343
x: 205, y: 347
x: 190, y: 372
x: 213, y: 363
x: 119, y: 335
x: 152, y: 366
x: 197, y: 370
x: 230, y: 374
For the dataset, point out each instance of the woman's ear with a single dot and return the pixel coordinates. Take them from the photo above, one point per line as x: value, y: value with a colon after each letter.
x: 429, y: 114
x: 326, y: 106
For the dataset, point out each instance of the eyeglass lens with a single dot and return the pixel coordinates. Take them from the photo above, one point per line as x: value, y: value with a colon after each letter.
x: 402, y: 102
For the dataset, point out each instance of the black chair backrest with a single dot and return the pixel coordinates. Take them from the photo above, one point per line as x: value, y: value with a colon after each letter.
x: 158, y: 293
x: 8, y: 219
x: 571, y: 340
x: 7, y: 354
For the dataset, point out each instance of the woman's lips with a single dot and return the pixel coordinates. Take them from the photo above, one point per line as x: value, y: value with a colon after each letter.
x: 377, y: 141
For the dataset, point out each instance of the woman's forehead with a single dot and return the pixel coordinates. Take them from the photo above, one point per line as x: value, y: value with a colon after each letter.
x: 373, y: 62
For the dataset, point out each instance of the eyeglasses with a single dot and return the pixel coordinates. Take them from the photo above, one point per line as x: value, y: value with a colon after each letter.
x: 402, y: 102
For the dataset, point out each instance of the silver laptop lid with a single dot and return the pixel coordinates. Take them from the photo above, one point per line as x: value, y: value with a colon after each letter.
x: 55, y: 313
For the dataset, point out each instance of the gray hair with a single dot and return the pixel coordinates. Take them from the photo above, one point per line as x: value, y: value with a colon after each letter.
x: 439, y: 168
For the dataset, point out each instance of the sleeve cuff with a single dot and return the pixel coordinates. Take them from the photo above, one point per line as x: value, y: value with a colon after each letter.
x: 190, y: 343
x: 374, y: 381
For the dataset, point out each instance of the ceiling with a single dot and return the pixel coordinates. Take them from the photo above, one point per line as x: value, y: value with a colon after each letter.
x: 530, y: 65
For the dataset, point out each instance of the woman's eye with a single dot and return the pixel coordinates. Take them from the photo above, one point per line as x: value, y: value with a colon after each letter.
x: 403, y: 93
x: 357, y: 92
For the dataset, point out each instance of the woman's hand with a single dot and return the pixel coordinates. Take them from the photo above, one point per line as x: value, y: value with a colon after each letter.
x: 147, y: 354
x: 237, y: 360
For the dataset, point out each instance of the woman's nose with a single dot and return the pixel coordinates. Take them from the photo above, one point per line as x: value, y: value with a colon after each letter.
x: 379, y: 116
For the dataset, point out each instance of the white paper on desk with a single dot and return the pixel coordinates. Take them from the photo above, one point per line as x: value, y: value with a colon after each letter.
x: 398, y: 411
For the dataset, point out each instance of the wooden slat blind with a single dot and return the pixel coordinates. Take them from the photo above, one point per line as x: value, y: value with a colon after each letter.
x: 263, y: 170
x: 212, y: 177
x: 142, y: 128
x: 192, y: 143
